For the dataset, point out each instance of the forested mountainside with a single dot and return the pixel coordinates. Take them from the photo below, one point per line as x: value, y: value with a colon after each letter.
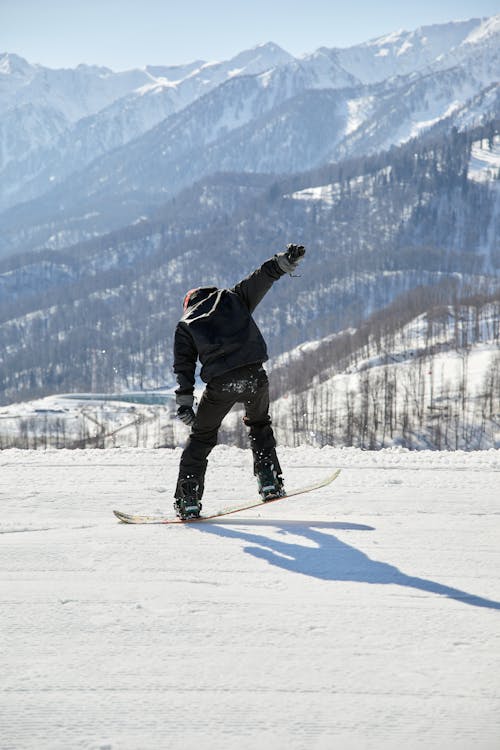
x: 101, y: 313
x: 420, y: 373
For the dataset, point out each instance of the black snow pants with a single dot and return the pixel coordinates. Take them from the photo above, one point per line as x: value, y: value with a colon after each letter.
x: 247, y: 385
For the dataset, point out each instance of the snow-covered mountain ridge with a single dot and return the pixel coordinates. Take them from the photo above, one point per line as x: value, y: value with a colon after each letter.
x: 87, y: 89
x: 275, y: 134
x: 135, y: 101
x: 93, y: 92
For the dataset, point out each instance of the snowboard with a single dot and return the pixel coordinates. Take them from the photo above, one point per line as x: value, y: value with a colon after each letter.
x: 141, y: 519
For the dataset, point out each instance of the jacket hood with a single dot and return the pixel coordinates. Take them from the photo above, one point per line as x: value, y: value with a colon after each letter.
x: 194, y: 296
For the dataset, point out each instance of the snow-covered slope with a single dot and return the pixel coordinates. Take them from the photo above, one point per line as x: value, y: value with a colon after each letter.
x: 130, y: 419
x: 362, y: 616
x: 74, y: 147
x: 434, y: 382
x: 399, y: 113
x: 479, y: 51
x: 485, y: 160
x: 402, y: 52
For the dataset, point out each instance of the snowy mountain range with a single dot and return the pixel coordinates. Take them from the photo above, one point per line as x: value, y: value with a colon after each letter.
x: 50, y: 114
x: 91, y: 150
x: 383, y: 159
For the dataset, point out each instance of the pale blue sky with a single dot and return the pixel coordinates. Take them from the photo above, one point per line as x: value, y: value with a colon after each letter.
x: 132, y: 33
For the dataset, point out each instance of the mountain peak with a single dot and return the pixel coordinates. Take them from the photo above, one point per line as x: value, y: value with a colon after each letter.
x: 402, y: 52
x: 446, y: 32
x: 174, y: 72
x: 11, y: 64
x: 270, y: 47
x: 487, y: 28
x: 268, y: 51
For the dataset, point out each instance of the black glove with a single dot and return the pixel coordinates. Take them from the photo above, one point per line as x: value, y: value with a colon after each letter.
x: 186, y: 414
x: 289, y: 260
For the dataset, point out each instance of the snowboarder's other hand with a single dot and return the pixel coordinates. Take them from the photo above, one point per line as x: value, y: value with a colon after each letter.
x: 289, y: 260
x: 186, y: 414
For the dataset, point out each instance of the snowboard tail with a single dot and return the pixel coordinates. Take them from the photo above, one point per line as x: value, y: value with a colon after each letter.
x: 157, y: 519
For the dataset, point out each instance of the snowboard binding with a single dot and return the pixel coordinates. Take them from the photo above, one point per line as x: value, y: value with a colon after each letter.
x: 188, y: 505
x: 270, y: 483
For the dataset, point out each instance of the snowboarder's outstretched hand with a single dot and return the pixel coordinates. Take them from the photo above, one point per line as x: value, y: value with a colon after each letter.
x: 289, y: 260
x: 186, y: 414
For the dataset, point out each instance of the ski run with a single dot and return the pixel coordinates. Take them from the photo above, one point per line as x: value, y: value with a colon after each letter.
x: 364, y: 615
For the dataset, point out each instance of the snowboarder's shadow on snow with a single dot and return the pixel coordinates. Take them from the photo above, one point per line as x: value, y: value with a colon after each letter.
x: 328, y: 558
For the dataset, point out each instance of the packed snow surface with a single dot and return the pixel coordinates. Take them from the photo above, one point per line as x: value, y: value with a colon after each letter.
x: 364, y: 615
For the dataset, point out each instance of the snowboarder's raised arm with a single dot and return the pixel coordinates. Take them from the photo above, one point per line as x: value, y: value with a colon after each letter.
x: 253, y: 288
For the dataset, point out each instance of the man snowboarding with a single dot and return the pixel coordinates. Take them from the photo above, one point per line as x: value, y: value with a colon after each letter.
x: 218, y: 329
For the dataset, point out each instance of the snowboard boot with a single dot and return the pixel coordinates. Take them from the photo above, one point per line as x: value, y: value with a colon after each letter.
x: 187, y: 503
x: 269, y: 481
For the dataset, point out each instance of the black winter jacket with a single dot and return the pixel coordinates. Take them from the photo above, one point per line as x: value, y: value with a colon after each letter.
x: 217, y: 327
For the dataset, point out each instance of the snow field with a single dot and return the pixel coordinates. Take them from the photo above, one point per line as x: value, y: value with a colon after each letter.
x: 364, y: 616
x: 485, y: 161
